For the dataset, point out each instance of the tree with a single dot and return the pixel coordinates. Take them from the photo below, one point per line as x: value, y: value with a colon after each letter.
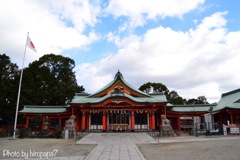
x: 192, y: 101
x: 8, y: 72
x: 199, y: 100
x: 49, y: 81
x: 202, y: 100
x: 157, y: 87
x: 172, y: 96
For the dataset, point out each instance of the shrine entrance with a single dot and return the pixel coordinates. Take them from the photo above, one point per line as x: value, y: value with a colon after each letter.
x: 119, y: 121
x: 96, y: 121
x: 141, y: 121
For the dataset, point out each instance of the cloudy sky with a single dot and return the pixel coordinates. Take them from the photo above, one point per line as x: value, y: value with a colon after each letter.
x: 191, y: 46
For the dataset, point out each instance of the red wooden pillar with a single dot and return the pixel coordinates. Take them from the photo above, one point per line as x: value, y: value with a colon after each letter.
x: 132, y: 121
x: 179, y: 124
x: 153, y: 121
x: 104, y: 122
x: 27, y: 122
x: 150, y: 121
x: 83, y: 121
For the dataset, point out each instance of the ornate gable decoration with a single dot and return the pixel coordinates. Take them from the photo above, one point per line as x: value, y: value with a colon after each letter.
x: 117, y: 90
x: 118, y: 75
x: 118, y: 84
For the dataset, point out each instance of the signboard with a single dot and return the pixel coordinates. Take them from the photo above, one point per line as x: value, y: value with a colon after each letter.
x: 234, y: 130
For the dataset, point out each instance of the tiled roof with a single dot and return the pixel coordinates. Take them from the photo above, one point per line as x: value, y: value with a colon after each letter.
x: 229, y: 100
x: 150, y: 99
x: 43, y: 109
x: 193, y: 108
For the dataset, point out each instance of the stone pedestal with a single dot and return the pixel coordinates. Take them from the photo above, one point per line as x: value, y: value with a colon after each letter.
x: 167, y: 131
x: 66, y: 134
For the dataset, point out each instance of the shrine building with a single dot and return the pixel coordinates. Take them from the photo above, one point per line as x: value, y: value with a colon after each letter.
x: 118, y: 106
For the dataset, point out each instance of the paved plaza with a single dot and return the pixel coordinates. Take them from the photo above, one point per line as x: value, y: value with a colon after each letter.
x: 140, y: 146
x: 116, y: 146
x: 128, y: 146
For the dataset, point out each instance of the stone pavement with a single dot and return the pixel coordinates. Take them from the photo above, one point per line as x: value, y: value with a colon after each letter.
x: 116, y: 146
x: 122, y: 146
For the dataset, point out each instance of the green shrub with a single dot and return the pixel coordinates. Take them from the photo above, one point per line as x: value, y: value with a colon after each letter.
x: 43, y: 133
x: 24, y: 132
x: 57, y: 131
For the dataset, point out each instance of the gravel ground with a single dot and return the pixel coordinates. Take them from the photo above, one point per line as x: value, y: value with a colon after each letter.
x: 205, y: 150
x: 54, y: 147
x: 224, y: 149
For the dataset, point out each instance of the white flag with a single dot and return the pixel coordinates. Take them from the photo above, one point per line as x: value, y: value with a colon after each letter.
x: 30, y: 44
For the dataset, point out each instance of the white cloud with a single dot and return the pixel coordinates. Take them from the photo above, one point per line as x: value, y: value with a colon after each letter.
x: 209, y: 90
x: 201, y: 60
x: 205, y: 56
x: 48, y: 23
x: 79, y: 12
x: 139, y: 11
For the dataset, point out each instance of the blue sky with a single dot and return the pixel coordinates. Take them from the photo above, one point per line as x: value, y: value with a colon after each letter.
x: 191, y: 46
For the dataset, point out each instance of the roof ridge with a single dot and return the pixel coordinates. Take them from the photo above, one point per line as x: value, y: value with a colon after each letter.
x: 231, y: 92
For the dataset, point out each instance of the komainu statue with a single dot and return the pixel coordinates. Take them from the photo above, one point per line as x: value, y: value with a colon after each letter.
x: 70, y: 125
x: 165, y: 121
x: 166, y: 129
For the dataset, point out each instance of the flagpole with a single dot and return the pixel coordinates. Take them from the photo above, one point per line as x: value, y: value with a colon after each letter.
x: 19, y: 91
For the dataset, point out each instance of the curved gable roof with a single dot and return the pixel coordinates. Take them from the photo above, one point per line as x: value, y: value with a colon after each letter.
x: 118, y: 79
x: 118, y: 87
